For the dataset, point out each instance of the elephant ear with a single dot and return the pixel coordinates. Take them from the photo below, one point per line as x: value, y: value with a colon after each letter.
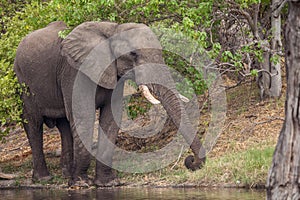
x: 87, y: 48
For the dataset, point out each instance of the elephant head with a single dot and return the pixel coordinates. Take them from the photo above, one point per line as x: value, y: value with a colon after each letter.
x: 107, y: 51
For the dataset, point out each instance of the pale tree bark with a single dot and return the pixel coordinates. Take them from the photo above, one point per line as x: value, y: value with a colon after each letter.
x: 270, y: 83
x: 275, y: 70
x: 265, y: 78
x: 284, y: 176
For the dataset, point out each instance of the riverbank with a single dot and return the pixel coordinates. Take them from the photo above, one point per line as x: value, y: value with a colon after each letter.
x: 240, y: 158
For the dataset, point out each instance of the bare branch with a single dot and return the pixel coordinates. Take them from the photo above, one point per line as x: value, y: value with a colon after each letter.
x: 243, y: 75
x: 255, y: 18
x: 277, y: 7
x: 250, y: 129
x: 251, y: 23
x: 179, y: 156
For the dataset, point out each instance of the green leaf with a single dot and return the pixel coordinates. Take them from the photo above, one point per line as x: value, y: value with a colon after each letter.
x: 254, y: 72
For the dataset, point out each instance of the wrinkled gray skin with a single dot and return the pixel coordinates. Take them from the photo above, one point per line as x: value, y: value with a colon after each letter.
x: 48, y: 65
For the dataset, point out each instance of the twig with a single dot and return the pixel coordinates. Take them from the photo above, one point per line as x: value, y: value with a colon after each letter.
x: 248, y: 17
x: 179, y: 156
x: 243, y: 75
x: 237, y: 84
x: 260, y: 123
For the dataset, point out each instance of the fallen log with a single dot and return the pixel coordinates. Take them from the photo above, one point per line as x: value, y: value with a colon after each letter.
x: 7, y: 176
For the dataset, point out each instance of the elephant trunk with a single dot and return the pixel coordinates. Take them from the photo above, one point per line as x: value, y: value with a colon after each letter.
x: 172, y: 103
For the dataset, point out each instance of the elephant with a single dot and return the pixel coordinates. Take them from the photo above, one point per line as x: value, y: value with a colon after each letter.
x: 59, y: 74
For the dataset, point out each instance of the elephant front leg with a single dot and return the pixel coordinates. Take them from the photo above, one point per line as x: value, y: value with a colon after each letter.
x: 81, y: 161
x: 82, y: 129
x: 108, y: 131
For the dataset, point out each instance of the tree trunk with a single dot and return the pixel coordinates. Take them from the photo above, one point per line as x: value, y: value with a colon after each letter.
x: 276, y: 83
x: 284, y: 176
x: 270, y: 82
x: 265, y: 82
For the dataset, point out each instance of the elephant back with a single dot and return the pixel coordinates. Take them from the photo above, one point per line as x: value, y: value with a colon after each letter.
x: 38, y: 63
x: 38, y: 50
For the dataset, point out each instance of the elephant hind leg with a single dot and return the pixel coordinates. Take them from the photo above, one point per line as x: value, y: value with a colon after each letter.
x: 33, y: 125
x: 66, y: 159
x: 50, y: 122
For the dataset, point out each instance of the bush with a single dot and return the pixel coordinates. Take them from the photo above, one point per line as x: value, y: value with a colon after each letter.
x: 22, y: 17
x: 8, y: 8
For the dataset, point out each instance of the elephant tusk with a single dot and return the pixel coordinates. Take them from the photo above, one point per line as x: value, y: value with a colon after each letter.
x: 153, y: 100
x: 148, y: 95
x: 183, y: 98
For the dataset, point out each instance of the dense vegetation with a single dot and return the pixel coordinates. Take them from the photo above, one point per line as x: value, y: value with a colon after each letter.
x: 223, y: 28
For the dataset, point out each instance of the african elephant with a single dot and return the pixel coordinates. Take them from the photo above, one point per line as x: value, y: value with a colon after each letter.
x: 53, y: 68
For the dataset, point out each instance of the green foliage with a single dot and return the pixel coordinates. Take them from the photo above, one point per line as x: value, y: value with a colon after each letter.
x: 275, y: 58
x: 254, y: 73
x: 189, y: 19
x: 238, y: 37
x: 136, y: 106
x: 8, y: 8
x: 10, y: 103
x: 18, y: 24
x: 22, y: 17
x: 247, y: 3
x: 189, y: 79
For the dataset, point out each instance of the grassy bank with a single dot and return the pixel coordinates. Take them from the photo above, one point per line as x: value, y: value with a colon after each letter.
x: 247, y: 168
x: 241, y: 169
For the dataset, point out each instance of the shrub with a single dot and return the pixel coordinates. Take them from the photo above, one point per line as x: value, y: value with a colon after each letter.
x: 22, y: 17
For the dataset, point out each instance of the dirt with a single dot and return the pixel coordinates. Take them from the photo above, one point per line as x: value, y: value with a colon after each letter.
x: 248, y: 122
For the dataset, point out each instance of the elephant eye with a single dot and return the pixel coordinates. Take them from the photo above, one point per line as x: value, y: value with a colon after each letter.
x: 133, y: 54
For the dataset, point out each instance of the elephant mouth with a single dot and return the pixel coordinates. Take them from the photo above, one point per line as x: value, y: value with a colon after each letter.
x: 147, y: 94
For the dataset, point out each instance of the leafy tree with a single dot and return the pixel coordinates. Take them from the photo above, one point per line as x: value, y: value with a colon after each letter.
x: 247, y: 41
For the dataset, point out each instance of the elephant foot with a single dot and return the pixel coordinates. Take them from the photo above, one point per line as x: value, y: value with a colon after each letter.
x: 42, y: 178
x: 111, y: 183
x: 80, y: 183
x: 66, y: 173
x: 106, y: 176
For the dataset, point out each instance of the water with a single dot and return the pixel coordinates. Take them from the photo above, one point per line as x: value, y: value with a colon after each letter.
x: 134, y: 194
